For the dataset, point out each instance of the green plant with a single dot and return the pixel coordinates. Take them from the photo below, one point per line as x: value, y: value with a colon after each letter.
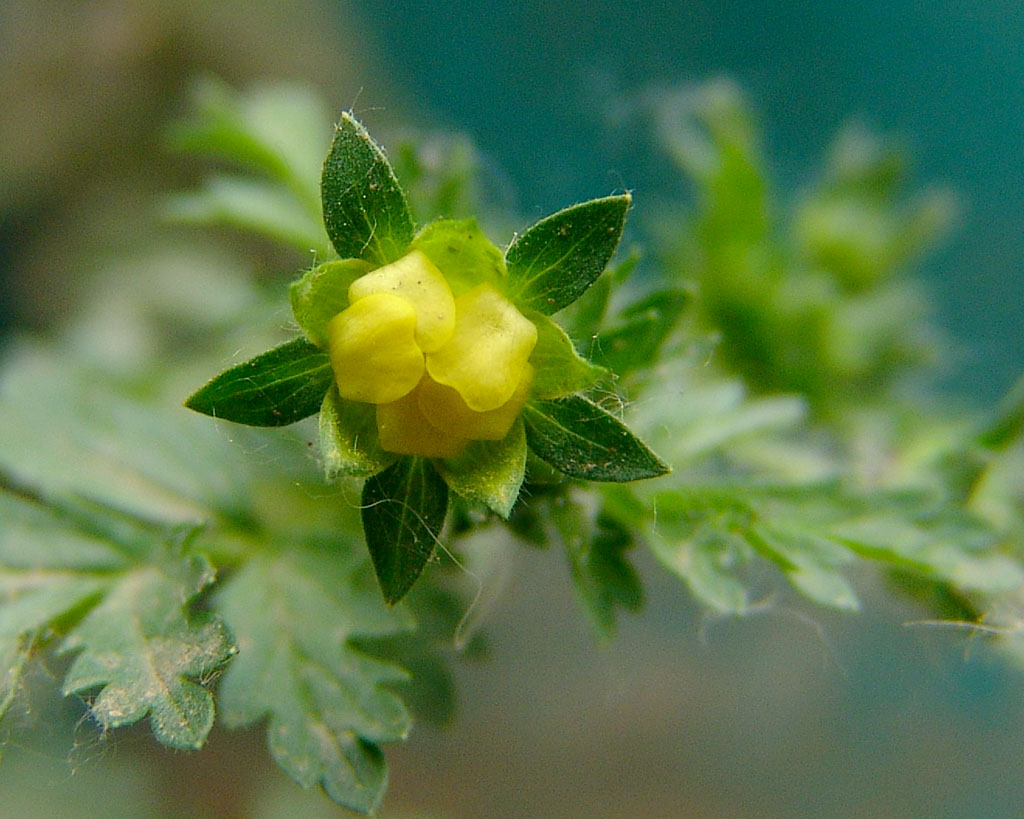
x: 177, y: 561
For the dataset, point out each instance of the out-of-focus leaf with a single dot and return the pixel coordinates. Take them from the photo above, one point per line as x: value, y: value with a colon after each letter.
x: 279, y: 130
x: 636, y: 338
x: 255, y: 206
x: 596, y: 545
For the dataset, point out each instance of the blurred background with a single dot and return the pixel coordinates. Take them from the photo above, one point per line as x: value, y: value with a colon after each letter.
x: 778, y: 715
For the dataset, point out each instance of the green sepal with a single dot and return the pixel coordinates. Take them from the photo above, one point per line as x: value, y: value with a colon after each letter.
x: 322, y: 293
x: 580, y: 439
x: 559, y: 257
x: 279, y: 387
x: 560, y: 370
x: 403, y: 510
x: 365, y: 209
x: 462, y: 253
x: 349, y: 446
x: 489, y: 472
x: 634, y: 341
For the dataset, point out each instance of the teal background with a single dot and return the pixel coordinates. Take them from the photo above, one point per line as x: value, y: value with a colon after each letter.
x: 546, y: 90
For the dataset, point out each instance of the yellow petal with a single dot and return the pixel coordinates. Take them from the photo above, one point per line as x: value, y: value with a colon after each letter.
x: 417, y: 280
x: 373, y: 349
x: 486, y: 355
x: 445, y: 409
x: 403, y: 429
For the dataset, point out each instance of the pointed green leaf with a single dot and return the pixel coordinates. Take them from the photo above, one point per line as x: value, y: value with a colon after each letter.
x: 365, y: 209
x: 560, y: 370
x: 635, y: 340
x: 558, y: 258
x: 144, y: 652
x: 489, y: 472
x: 403, y: 511
x: 580, y: 439
x: 462, y: 253
x: 279, y: 387
x: 322, y: 293
x: 295, y: 616
x: 348, y: 439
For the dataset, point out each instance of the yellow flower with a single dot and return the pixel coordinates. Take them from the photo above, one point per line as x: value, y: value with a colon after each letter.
x: 442, y: 369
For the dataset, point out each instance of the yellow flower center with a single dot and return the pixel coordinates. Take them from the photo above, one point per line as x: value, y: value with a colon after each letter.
x: 442, y: 370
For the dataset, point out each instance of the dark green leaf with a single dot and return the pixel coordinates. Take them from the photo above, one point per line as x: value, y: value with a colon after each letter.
x: 144, y: 651
x: 462, y: 253
x: 365, y: 209
x: 582, y: 440
x: 603, y: 578
x: 558, y: 258
x: 403, y: 511
x: 322, y: 293
x: 295, y: 616
x: 560, y: 370
x: 279, y: 387
x: 635, y: 340
x: 348, y: 439
x: 489, y: 472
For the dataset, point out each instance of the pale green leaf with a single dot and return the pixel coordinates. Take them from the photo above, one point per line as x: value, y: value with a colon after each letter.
x: 146, y: 654
x: 294, y: 616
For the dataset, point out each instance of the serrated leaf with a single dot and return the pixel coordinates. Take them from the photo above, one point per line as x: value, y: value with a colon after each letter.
x: 143, y: 651
x: 261, y: 207
x: 365, y: 209
x: 462, y: 253
x: 560, y: 370
x: 636, y: 338
x: 279, y: 387
x: 403, y: 510
x: 294, y: 616
x: 579, y: 438
x: 489, y: 472
x: 349, y: 445
x: 555, y: 260
x: 321, y: 293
